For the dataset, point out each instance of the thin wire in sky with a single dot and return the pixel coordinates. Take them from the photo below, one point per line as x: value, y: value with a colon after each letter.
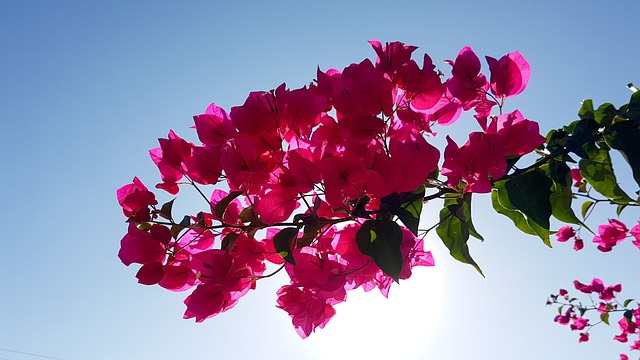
x: 30, y: 354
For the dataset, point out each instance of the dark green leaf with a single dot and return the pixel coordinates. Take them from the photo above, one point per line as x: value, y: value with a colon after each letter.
x: 177, y: 228
x: 516, y: 216
x: 248, y: 215
x: 467, y: 215
x: 530, y: 193
x: 165, y: 210
x: 406, y: 206
x: 627, y: 302
x: 283, y: 242
x: 561, y: 195
x: 453, y: 230
x: 624, y: 136
x: 228, y: 241
x: 503, y: 205
x: 222, y: 205
x: 381, y: 240
x: 620, y: 208
x: 605, y: 318
x: 600, y: 175
x: 629, y: 316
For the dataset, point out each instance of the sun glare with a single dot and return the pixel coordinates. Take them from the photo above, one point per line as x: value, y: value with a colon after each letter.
x: 369, y: 326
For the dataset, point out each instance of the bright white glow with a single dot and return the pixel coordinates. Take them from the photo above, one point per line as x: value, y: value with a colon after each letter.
x: 369, y: 326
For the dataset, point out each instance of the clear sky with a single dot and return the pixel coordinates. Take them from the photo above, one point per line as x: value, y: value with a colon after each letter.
x: 86, y: 88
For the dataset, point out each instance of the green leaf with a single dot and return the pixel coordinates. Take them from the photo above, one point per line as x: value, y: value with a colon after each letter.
x: 467, y: 215
x: 586, y: 110
x: 283, y: 242
x: 605, y: 318
x: 561, y: 196
x: 406, y: 206
x: 519, y: 220
x: 453, y: 230
x: 599, y: 174
x: 381, y: 240
x: 624, y: 137
x: 165, y: 210
x: 228, y: 241
x: 620, y: 208
x: 248, y: 215
x: 222, y: 205
x: 585, y: 208
x: 530, y: 192
x: 502, y: 205
x: 177, y: 228
x: 627, y: 302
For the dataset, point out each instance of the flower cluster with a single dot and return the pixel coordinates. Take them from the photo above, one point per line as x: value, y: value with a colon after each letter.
x: 609, y: 235
x: 572, y: 312
x: 326, y: 181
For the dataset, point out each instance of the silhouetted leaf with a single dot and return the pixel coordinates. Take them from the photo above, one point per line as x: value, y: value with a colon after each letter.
x: 283, y: 242
x: 381, y: 240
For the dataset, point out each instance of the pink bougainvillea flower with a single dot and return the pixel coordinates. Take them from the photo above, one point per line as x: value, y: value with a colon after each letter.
x: 135, y: 200
x: 577, y: 177
x: 203, y: 165
x: 298, y: 111
x: 423, y: 86
x: 578, y: 244
x: 579, y: 323
x: 223, y: 280
x: 346, y: 178
x: 582, y: 287
x: 168, y: 158
x: 143, y: 247
x: 509, y: 75
x: 276, y: 203
x: 519, y: 135
x: 214, y: 127
x: 565, y: 233
x: 475, y: 163
x: 610, y: 235
x: 624, y: 357
x: 248, y: 165
x: 415, y: 159
x: 367, y: 91
x: 584, y: 337
x: 467, y: 84
x: 307, y: 311
x: 635, y: 232
x: 150, y: 273
x: 392, y: 56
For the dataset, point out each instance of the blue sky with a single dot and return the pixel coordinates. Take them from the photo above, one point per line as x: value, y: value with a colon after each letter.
x: 86, y: 88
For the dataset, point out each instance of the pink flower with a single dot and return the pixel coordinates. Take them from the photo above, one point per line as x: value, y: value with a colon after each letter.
x: 624, y: 357
x: 144, y: 247
x: 475, y: 163
x: 635, y: 232
x: 392, y: 56
x: 578, y: 245
x: 579, y: 323
x: 610, y: 235
x: 577, y: 177
x: 565, y: 233
x: 135, y: 200
x: 509, y: 75
x: 584, y: 337
x: 518, y: 135
x: 307, y: 311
